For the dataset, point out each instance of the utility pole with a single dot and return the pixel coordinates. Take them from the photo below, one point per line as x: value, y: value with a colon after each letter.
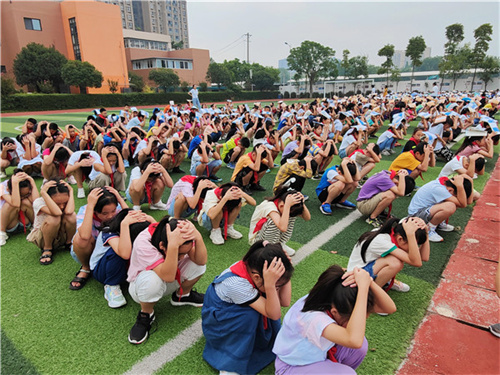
x: 248, y: 47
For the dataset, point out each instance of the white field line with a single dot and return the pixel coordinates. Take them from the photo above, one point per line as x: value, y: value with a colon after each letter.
x: 188, y: 337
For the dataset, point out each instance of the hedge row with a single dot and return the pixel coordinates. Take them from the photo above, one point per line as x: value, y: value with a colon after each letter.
x: 47, y: 102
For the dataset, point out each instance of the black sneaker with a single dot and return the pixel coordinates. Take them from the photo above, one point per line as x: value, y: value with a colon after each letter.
x: 194, y: 299
x: 140, y: 331
x: 177, y: 170
x: 247, y: 190
x: 257, y: 187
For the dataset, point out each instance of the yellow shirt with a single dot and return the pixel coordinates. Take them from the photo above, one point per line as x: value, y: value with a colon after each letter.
x: 405, y: 161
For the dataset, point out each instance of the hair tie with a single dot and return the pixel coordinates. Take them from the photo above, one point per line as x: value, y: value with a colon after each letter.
x: 265, y: 243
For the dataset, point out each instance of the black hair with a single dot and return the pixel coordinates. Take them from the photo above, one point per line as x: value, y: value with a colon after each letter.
x: 32, y: 120
x: 342, y: 117
x: 102, y: 110
x: 448, y: 121
x: 85, y: 170
x: 106, y: 198
x: 281, y: 193
x: 60, y: 187
x: 351, y: 168
x: 259, y: 253
x: 261, y: 133
x: 420, y: 147
x: 331, y: 152
x: 264, y: 153
x: 145, y: 164
x: 376, y: 149
x: 176, y: 144
x: 61, y: 154
x: 114, y: 225
x: 467, y: 186
x: 186, y: 136
x: 6, y: 141
x: 468, y: 141
x: 446, y: 134
x: 22, y: 184
x: 409, y: 185
x: 233, y: 203
x: 53, y: 126
x: 479, y: 164
x: 160, y: 234
x: 329, y: 292
x: 245, y: 142
x: 196, y: 182
x: 391, y: 225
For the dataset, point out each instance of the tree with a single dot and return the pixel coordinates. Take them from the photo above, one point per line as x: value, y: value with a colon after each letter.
x: 240, y: 70
x: 386, y: 51
x: 37, y: 63
x: 483, y: 36
x: 314, y: 61
x: 113, y: 86
x: 219, y: 74
x: 185, y: 86
x: 82, y: 74
x: 178, y: 45
x: 264, y: 78
x: 415, y: 50
x: 454, y: 36
x: 164, y: 78
x: 135, y: 82
x: 490, y: 67
x: 203, y: 86
x: 396, y: 77
x: 358, y: 66
x: 429, y: 64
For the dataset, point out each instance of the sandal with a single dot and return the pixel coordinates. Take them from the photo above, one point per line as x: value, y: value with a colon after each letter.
x: 81, y: 280
x: 46, y: 256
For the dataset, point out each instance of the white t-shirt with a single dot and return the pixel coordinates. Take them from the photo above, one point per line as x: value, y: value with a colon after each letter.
x: 140, y: 146
x: 260, y: 212
x: 452, y: 166
x: 300, y: 341
x: 346, y: 141
x: 337, y: 125
x: 380, y: 246
x: 75, y: 157
x: 133, y: 122
x: 438, y: 130
x: 384, y: 137
x: 194, y: 93
x: 134, y: 175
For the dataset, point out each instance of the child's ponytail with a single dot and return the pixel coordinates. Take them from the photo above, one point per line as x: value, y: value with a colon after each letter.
x: 329, y: 292
x: 367, y: 238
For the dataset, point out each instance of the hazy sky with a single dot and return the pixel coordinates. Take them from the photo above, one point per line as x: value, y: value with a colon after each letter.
x: 361, y: 27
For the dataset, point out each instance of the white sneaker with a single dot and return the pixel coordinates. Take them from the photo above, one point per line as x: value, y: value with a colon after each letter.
x: 233, y: 233
x: 3, y: 238
x: 81, y: 193
x: 71, y: 180
x: 216, y: 237
x: 444, y: 227
x: 114, y: 296
x: 434, y: 237
x: 391, y: 151
x: 126, y: 163
x: 288, y: 250
x: 2, y: 174
x: 400, y: 286
x: 158, y: 206
x: 136, y: 208
x: 386, y: 152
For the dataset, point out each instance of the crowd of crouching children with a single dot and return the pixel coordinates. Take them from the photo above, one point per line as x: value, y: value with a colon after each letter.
x: 115, y: 241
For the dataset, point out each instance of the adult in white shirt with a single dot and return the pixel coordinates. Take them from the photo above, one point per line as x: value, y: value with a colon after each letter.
x: 194, y: 94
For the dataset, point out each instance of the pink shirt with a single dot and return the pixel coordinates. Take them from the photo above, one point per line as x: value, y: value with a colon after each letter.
x: 468, y: 151
x: 144, y: 255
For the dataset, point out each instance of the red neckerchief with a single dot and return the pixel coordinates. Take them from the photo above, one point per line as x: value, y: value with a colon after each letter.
x: 414, y: 140
x: 255, y: 173
x: 390, y: 130
x: 62, y: 170
x: 475, y: 143
x: 240, y: 269
x: 358, y: 150
x: 262, y: 221
x: 148, y: 185
x: 72, y: 139
x: 333, y: 350
x: 458, y: 158
x: 191, y: 179
x: 151, y: 230
x: 442, y: 180
x: 225, y: 213
x: 101, y: 116
x: 22, y: 219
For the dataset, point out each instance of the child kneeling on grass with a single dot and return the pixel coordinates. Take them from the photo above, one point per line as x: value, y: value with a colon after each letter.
x: 437, y: 200
x: 113, y: 246
x: 379, y: 191
x: 337, y: 183
x: 16, y: 203
x: 274, y: 219
x: 242, y: 310
x: 168, y: 257
x: 220, y: 210
x: 324, y: 331
x: 383, y: 252
x: 55, y: 219
x: 187, y: 196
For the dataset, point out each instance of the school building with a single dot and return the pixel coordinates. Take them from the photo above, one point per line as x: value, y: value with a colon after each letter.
x: 92, y: 31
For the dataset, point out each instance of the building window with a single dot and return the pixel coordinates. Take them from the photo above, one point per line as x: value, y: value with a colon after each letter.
x: 74, y: 39
x: 129, y: 9
x: 154, y: 29
x: 3, y: 69
x: 32, y: 24
x: 124, y: 24
x: 129, y: 17
x: 130, y: 25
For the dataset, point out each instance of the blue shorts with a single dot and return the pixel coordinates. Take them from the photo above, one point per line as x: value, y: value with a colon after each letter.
x: 342, y: 153
x: 369, y: 268
x: 184, y: 214
x: 206, y: 222
x: 144, y: 199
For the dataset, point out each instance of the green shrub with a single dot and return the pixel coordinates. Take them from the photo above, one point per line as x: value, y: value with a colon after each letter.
x: 8, y: 87
x: 47, y: 102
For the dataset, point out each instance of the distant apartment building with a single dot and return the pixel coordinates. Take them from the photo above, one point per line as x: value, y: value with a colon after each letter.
x: 400, y: 60
x: 166, y: 17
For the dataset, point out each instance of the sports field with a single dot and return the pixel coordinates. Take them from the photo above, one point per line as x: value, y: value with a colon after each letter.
x: 49, y: 329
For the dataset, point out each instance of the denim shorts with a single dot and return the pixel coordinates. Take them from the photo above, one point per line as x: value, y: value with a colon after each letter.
x: 342, y: 153
x: 369, y: 268
x: 184, y: 214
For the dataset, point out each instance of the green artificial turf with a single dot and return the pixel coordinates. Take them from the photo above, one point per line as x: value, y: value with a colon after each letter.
x: 48, y: 328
